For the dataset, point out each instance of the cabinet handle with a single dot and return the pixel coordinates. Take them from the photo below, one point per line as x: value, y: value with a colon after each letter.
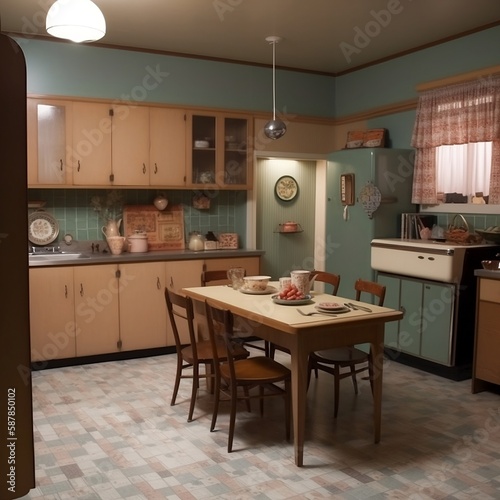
x: 78, y: 168
x: 171, y: 282
x: 156, y: 168
x: 65, y: 291
x: 143, y: 168
x: 81, y: 289
x: 61, y: 163
x: 158, y: 283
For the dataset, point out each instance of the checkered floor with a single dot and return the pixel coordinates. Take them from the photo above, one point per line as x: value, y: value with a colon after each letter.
x: 107, y: 431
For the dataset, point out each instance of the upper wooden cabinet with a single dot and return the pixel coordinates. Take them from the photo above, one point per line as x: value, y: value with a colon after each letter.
x: 49, y: 142
x: 99, y: 144
x: 91, y: 150
x: 167, y: 154
x: 219, y: 155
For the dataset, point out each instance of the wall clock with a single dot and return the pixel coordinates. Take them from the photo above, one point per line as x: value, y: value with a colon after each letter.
x: 286, y: 188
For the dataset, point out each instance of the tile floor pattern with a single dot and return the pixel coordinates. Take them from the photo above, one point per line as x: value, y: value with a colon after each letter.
x: 107, y: 431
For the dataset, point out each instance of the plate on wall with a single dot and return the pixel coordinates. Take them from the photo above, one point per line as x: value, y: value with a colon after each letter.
x: 43, y: 228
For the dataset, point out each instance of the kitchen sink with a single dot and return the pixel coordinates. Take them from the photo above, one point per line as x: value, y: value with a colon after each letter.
x: 45, y: 257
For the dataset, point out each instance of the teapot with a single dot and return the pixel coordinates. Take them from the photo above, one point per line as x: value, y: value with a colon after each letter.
x: 196, y: 241
x: 303, y: 280
x: 112, y: 228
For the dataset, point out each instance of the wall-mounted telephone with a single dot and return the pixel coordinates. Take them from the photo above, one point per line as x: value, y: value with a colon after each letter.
x: 347, y: 189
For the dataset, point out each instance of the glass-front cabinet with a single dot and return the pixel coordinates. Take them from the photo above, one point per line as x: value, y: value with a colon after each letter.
x: 219, y: 152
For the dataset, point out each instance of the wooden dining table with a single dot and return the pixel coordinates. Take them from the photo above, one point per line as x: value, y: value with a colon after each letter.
x: 260, y: 316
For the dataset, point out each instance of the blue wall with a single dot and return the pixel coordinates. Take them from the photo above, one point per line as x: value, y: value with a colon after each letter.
x: 56, y: 68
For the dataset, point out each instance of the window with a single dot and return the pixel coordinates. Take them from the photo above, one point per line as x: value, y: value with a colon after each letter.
x: 463, y: 170
x: 457, y: 142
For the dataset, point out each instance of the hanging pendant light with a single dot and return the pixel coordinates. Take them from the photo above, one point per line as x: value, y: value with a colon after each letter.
x: 274, y: 129
x: 76, y: 20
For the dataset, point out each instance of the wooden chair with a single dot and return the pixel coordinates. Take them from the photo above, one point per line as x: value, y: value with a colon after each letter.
x: 332, y: 360
x: 217, y: 275
x: 239, y: 377
x: 220, y: 275
x: 196, y: 353
x: 323, y: 276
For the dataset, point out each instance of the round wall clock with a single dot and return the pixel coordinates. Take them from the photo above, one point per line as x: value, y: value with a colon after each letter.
x: 286, y: 188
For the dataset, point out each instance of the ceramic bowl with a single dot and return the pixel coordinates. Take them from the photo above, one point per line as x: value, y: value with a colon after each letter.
x: 256, y: 283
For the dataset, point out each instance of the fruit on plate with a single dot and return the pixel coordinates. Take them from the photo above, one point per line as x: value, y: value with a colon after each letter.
x: 291, y: 292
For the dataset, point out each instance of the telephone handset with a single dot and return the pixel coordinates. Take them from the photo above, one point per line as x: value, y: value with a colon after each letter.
x: 347, y: 189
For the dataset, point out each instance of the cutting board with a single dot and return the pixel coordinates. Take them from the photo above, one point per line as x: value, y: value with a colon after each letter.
x: 165, y: 228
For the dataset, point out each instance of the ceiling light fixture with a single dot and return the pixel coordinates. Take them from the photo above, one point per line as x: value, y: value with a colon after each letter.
x: 274, y: 129
x: 76, y: 20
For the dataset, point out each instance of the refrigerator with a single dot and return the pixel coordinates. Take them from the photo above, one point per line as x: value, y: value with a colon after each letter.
x: 16, y: 416
x: 367, y: 190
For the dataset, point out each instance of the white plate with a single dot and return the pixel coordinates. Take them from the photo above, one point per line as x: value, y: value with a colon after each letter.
x: 340, y: 310
x: 331, y: 306
x: 293, y: 302
x: 268, y: 290
x: 43, y: 228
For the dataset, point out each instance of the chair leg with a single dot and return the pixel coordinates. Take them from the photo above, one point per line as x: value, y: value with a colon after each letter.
x: 177, y: 380
x: 232, y: 419
x: 271, y: 350
x: 247, y: 399
x: 261, y: 392
x: 216, y: 402
x: 353, y: 376
x: 287, y: 408
x: 194, y: 390
x: 336, y: 378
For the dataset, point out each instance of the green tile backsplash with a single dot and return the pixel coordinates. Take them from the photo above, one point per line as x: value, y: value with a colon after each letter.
x: 73, y: 210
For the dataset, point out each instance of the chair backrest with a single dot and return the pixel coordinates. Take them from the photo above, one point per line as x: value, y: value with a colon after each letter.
x: 330, y: 278
x: 221, y: 324
x: 371, y: 287
x: 216, y: 275
x: 179, y: 306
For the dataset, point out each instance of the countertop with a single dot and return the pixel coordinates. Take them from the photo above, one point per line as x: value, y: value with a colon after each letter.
x: 136, y: 257
x: 484, y: 273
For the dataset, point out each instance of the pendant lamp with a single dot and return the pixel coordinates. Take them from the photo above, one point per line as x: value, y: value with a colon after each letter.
x: 274, y: 129
x: 76, y: 20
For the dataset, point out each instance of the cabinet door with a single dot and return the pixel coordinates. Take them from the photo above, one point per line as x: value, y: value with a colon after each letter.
x: 52, y: 313
x: 96, y: 309
x: 143, y: 311
x: 91, y: 152
x: 437, y: 320
x: 219, y: 152
x: 167, y: 155
x: 49, y: 142
x: 202, y: 158
x: 237, y: 160
x: 183, y: 274
x: 130, y: 145
x: 410, y: 325
x: 391, y: 300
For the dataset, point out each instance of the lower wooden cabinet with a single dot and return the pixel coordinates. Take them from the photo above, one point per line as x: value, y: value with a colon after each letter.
x: 52, y: 313
x: 143, y: 318
x: 96, y: 291
x: 104, y: 309
x: 486, y: 367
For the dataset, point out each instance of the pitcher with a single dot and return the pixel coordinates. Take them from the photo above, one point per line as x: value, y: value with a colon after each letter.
x: 303, y: 280
x: 112, y: 228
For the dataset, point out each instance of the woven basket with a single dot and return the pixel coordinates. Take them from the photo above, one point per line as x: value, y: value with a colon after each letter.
x: 459, y: 233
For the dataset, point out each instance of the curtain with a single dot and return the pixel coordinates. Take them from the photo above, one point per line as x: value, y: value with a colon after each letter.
x: 456, y: 114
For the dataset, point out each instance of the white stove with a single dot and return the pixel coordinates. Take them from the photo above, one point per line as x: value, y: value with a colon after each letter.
x: 438, y: 261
